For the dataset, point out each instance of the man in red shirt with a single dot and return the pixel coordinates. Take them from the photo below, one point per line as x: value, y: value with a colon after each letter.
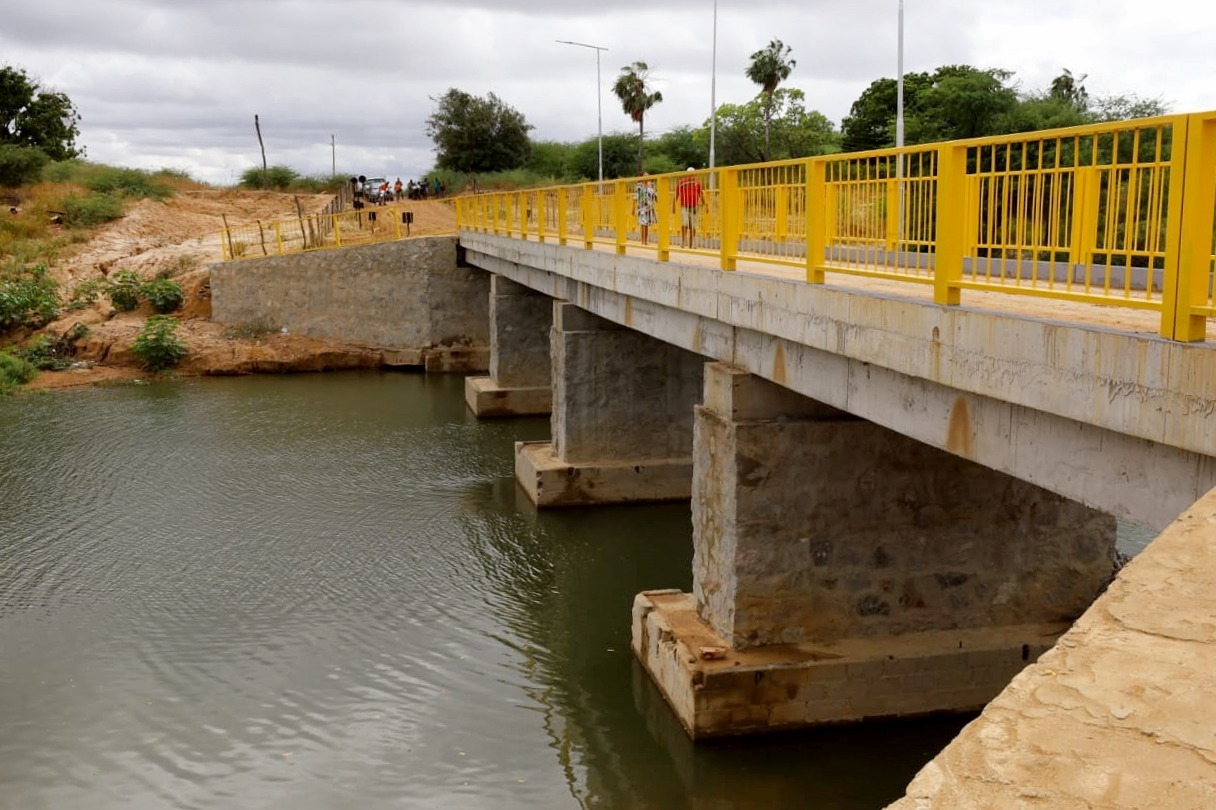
x: 689, y: 195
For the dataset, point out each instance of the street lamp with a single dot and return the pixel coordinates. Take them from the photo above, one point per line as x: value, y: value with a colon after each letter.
x: 899, y: 122
x: 599, y: 104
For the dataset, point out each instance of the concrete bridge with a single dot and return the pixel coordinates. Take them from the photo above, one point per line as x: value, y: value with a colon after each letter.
x: 900, y: 496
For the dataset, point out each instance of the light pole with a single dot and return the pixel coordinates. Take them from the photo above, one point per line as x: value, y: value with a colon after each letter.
x: 713, y: 93
x: 899, y: 123
x: 899, y: 83
x: 599, y: 104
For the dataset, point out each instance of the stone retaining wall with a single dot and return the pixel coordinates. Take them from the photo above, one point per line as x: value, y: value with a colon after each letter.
x: 405, y: 296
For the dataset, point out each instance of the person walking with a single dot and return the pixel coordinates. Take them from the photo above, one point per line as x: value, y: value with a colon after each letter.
x: 644, y: 198
x: 689, y: 196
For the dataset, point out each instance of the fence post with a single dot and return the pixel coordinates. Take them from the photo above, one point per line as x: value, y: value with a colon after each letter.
x: 1188, y: 251
x: 893, y: 213
x: 729, y: 200
x: 816, y: 220
x: 665, y: 205
x: 561, y: 215
x: 542, y: 219
x: 586, y: 202
x: 620, y: 215
x: 337, y: 232
x: 950, y: 222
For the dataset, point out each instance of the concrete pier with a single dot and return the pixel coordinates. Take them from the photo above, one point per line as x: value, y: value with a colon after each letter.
x: 520, y: 381
x: 622, y: 417
x: 844, y: 572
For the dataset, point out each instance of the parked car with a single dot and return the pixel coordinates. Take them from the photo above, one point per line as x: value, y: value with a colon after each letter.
x: 371, y: 189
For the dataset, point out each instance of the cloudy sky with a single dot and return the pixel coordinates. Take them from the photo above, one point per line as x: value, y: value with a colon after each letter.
x: 176, y: 83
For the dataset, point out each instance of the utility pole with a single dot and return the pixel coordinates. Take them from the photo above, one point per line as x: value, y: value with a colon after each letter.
x: 713, y: 93
x: 333, y: 157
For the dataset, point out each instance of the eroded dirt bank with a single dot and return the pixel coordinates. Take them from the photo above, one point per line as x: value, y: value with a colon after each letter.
x: 180, y: 237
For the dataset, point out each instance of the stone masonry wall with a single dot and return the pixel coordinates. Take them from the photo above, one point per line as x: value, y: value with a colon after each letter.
x: 395, y: 295
x: 818, y: 529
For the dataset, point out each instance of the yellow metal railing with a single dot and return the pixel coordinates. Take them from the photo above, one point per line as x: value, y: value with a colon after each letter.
x: 316, y: 232
x: 1120, y: 214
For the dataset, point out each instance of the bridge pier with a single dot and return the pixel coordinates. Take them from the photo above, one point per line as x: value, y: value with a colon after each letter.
x: 844, y: 572
x: 519, y: 382
x: 622, y: 417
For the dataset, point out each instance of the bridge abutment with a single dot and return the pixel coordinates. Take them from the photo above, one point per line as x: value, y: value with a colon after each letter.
x: 622, y: 417
x: 520, y: 380
x: 845, y: 572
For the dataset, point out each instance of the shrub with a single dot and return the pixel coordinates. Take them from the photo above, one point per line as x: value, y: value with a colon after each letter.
x: 164, y: 294
x: 158, y: 345
x: 20, y: 165
x: 110, y: 180
x: 53, y: 353
x: 85, y: 293
x: 87, y: 212
x: 14, y: 372
x: 277, y: 177
x: 28, y: 297
x: 126, y: 290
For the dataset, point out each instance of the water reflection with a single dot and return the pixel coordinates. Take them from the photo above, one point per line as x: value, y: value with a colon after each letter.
x: 326, y: 591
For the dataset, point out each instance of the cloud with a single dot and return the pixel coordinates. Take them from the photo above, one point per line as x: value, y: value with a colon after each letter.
x: 165, y: 83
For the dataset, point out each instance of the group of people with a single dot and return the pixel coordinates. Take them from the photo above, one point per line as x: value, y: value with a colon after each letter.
x: 688, y: 198
x: 421, y: 190
x: 386, y: 193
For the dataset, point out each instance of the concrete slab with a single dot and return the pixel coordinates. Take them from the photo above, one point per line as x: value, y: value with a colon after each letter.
x: 716, y: 691
x: 551, y: 482
x: 485, y: 399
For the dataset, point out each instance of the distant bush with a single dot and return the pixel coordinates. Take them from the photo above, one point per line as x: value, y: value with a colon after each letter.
x: 28, y: 297
x: 111, y: 180
x: 14, y: 372
x: 92, y: 210
x: 125, y: 289
x: 158, y: 345
x: 20, y: 165
x: 279, y: 178
x: 164, y: 294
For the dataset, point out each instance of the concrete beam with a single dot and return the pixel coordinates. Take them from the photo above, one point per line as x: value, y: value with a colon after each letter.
x: 1048, y: 418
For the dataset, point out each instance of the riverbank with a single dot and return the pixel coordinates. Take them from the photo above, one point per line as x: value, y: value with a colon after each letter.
x: 180, y: 238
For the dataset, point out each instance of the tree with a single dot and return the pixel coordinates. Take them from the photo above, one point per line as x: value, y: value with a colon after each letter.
x: 634, y: 92
x: 619, y: 157
x: 474, y: 134
x: 1069, y: 89
x: 795, y: 131
x: 770, y: 67
x: 37, y: 118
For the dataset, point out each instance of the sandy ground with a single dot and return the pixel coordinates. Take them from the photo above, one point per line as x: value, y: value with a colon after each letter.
x: 181, y: 236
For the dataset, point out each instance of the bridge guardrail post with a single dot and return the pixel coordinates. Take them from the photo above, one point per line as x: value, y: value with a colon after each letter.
x: 542, y: 215
x: 951, y: 226
x: 817, y: 222
x: 730, y: 202
x: 665, y: 213
x: 586, y: 201
x: 1188, y: 254
x: 561, y: 215
x: 620, y: 215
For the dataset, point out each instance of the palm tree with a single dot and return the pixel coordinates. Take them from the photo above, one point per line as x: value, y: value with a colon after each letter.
x: 769, y: 68
x: 631, y: 88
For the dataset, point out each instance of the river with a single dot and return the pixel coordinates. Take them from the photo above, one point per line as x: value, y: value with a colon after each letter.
x: 325, y: 591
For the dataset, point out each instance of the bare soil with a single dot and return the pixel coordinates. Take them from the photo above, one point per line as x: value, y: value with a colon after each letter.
x: 181, y: 237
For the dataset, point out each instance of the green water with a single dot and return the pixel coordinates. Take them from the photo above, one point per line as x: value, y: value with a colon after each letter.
x: 325, y: 591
